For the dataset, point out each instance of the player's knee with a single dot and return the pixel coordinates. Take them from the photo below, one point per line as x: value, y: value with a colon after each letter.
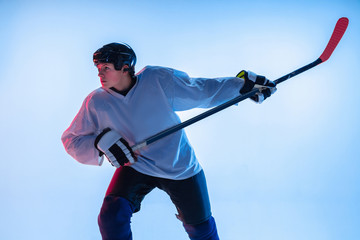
x: 115, y: 211
x: 202, y: 231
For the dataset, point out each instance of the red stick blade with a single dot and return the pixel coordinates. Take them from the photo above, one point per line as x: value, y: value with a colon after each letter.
x: 336, y: 36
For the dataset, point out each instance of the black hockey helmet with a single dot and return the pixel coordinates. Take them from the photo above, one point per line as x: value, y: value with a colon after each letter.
x: 119, y: 54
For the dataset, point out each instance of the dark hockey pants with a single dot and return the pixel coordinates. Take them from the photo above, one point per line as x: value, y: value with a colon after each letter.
x: 128, y: 188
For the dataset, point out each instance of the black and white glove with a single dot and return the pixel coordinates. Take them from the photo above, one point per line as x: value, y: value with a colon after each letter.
x: 115, y: 148
x: 265, y: 86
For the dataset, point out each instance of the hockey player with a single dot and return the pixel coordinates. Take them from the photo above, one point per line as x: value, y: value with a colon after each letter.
x: 129, y: 108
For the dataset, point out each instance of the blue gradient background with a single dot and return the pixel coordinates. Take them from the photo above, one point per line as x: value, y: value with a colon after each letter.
x: 285, y: 169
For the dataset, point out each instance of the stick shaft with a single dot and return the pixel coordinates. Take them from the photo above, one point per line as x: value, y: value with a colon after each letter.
x: 298, y: 71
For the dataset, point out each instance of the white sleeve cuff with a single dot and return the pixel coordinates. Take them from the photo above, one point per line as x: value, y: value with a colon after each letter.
x: 252, y: 76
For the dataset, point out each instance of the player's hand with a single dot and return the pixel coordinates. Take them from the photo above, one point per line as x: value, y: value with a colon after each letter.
x: 265, y: 86
x: 115, y: 148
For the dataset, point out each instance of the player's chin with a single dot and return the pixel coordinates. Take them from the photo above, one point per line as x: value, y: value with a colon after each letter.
x: 104, y: 85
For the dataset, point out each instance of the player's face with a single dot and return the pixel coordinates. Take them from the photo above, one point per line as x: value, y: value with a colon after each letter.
x: 110, y: 77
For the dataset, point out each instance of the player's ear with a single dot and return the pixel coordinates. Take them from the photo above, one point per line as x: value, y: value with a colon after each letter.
x: 125, y: 68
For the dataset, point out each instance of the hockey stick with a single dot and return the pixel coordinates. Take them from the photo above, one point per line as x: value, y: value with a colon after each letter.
x: 336, y: 36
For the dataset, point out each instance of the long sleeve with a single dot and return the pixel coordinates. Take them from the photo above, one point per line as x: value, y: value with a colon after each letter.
x: 186, y: 93
x: 79, y: 138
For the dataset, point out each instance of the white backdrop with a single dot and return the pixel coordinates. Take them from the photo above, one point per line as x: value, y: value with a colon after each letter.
x: 285, y: 169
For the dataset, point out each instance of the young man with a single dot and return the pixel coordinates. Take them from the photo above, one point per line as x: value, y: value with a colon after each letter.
x: 129, y: 108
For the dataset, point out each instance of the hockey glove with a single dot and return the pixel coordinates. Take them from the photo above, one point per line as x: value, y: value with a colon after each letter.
x: 265, y: 86
x: 115, y: 148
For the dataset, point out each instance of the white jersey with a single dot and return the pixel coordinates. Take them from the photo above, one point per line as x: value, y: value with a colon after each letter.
x: 148, y: 108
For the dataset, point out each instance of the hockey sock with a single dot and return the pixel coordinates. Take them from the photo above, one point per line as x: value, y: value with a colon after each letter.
x: 203, y: 231
x: 114, y: 218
